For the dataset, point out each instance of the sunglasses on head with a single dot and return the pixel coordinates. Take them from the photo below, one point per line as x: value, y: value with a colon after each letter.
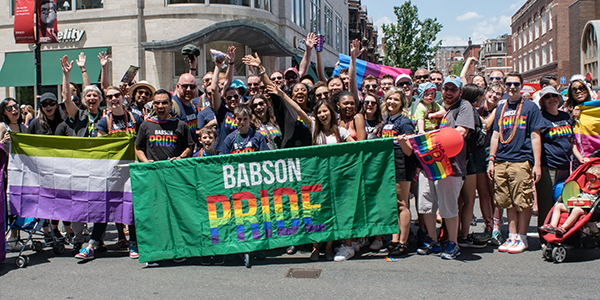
x: 188, y: 86
x: 276, y: 78
x: 421, y: 76
x: 10, y: 108
x: 115, y: 95
x: 232, y: 97
x: 48, y: 103
x: 515, y: 84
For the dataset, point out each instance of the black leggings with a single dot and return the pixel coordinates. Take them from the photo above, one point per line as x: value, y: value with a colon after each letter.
x: 100, y: 228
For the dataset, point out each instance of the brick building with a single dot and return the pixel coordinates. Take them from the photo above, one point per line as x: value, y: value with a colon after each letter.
x: 584, y: 23
x: 496, y: 54
x: 447, y: 56
x: 540, y: 35
x: 360, y: 26
x: 477, y: 67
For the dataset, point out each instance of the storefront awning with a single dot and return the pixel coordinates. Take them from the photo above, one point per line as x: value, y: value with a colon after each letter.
x: 19, y: 69
x: 258, y: 36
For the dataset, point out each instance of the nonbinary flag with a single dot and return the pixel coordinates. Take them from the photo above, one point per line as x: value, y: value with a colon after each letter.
x: 71, y: 178
x: 433, y: 158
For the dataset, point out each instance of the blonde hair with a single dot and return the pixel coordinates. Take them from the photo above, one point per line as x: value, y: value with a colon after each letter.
x: 403, y: 108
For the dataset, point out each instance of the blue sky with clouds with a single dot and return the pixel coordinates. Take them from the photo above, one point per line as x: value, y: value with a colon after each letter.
x: 461, y: 19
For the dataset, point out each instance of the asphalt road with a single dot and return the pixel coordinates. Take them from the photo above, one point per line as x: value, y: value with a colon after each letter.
x: 477, y: 273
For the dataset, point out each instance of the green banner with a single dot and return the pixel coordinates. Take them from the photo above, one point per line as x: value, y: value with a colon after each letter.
x: 237, y: 203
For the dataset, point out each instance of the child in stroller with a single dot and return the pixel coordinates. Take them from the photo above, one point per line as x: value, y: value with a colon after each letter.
x: 589, y: 193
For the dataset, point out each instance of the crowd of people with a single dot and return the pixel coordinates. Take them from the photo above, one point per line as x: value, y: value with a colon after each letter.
x: 511, y: 158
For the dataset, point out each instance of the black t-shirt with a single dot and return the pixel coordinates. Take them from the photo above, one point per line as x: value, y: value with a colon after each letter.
x: 295, y: 132
x: 65, y: 128
x: 187, y: 114
x: 119, y: 124
x: 226, y: 124
x: 86, y: 124
x: 557, y: 140
x: 161, y: 140
x: 36, y: 127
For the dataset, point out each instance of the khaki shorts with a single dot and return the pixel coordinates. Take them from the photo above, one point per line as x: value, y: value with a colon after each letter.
x: 513, y: 185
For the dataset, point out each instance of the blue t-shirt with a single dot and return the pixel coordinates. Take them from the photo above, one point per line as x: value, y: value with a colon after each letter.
x: 397, y: 125
x: 118, y: 123
x: 243, y: 143
x: 188, y: 115
x: 519, y: 149
x: 557, y: 140
x: 205, y: 116
x: 226, y: 124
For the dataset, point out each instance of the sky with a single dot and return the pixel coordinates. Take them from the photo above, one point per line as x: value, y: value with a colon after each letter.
x: 461, y: 19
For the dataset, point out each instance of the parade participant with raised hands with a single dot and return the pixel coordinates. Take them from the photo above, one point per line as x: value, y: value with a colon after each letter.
x: 140, y: 94
x: 515, y: 161
x: 226, y: 122
x: 118, y: 119
x: 397, y: 124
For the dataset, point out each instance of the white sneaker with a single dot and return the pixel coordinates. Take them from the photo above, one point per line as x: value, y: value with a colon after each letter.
x: 356, y: 246
x: 376, y: 245
x: 344, y: 253
x: 507, y: 245
x: 517, y: 247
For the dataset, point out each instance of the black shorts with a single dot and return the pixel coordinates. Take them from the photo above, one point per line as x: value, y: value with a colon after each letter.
x: 405, y: 166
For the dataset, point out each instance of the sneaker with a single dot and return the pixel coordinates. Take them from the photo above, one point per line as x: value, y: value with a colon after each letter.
x: 376, y: 245
x: 85, y: 253
x: 363, y: 242
x: 344, y: 253
x: 421, y: 236
x: 483, y: 237
x: 496, y: 239
x: 506, y: 245
x: 152, y: 264
x: 517, y: 247
x: 451, y: 252
x: 470, y: 242
x: 206, y: 260
x: 429, y: 247
x: 133, y: 252
x: 355, y: 246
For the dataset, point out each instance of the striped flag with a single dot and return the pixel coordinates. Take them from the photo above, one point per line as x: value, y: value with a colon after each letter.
x: 364, y: 69
x: 3, y: 161
x: 71, y: 178
x: 587, y: 129
x: 432, y: 156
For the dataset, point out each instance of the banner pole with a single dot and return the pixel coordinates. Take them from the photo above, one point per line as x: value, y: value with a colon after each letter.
x: 37, y: 59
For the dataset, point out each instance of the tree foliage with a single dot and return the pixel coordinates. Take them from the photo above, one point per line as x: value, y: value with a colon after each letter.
x: 409, y: 42
x: 457, y: 67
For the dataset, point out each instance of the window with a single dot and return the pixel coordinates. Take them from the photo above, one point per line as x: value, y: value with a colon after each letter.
x: 524, y: 34
x: 345, y: 48
x: 63, y: 5
x: 232, y: 2
x: 544, y: 56
x: 184, y: 1
x: 537, y: 57
x: 298, y: 12
x: 531, y: 66
x: 543, y: 21
x: 488, y: 62
x: 315, y: 16
x: 89, y: 4
x: 328, y: 25
x: 536, y: 25
x: 263, y: 4
x: 520, y: 64
x: 550, y: 52
x: 550, y: 18
x: 530, y: 25
x: 499, y: 62
x: 339, y: 34
x: 499, y: 47
x: 519, y: 38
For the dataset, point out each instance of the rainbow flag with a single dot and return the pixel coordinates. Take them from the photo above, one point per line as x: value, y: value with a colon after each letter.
x: 587, y: 129
x: 364, y: 69
x: 432, y: 156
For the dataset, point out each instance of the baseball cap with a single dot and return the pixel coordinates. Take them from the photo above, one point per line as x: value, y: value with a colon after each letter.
x: 48, y: 95
x: 291, y: 70
x: 454, y: 80
x: 402, y: 76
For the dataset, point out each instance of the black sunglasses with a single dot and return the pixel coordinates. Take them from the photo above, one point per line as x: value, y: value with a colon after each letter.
x: 421, y: 76
x: 232, y: 96
x: 48, y: 103
x: 10, y: 108
x: 188, y: 86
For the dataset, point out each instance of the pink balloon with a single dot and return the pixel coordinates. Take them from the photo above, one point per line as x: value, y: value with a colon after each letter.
x: 450, y: 139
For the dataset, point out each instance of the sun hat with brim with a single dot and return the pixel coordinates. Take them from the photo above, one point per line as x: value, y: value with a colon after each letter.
x: 140, y: 84
x: 549, y: 90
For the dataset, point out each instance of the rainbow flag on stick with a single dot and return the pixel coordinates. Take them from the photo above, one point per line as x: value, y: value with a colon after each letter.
x: 432, y: 156
x: 364, y: 69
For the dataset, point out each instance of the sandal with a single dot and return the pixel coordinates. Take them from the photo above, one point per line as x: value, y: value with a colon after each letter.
x: 546, y: 228
x: 123, y: 244
x: 560, y: 231
x: 398, y: 250
x: 291, y: 250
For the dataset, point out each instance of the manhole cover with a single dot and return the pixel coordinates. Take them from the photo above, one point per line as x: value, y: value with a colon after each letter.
x: 303, y: 273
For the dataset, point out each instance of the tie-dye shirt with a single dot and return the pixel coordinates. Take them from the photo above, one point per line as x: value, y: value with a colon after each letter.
x: 519, y: 149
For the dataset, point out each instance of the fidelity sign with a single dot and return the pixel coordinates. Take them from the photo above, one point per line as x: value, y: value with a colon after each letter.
x: 70, y: 35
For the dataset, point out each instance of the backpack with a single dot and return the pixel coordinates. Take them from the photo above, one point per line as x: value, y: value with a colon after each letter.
x: 476, y: 138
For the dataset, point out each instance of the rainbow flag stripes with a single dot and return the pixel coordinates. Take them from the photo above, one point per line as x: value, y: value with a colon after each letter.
x: 432, y: 156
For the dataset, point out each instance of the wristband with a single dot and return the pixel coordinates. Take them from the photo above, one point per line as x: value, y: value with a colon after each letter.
x: 192, y: 69
x: 231, y: 63
x: 263, y: 72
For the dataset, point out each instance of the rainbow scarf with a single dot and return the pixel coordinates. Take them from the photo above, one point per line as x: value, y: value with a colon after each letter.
x: 158, y: 121
x: 364, y: 69
x: 432, y: 156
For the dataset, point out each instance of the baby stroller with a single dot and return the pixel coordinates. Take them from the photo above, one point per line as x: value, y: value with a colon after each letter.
x: 34, y: 229
x: 583, y: 233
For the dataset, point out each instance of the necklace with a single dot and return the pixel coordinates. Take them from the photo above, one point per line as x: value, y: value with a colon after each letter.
x: 513, y: 126
x: 347, y: 125
x: 269, y: 136
x: 239, y: 138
